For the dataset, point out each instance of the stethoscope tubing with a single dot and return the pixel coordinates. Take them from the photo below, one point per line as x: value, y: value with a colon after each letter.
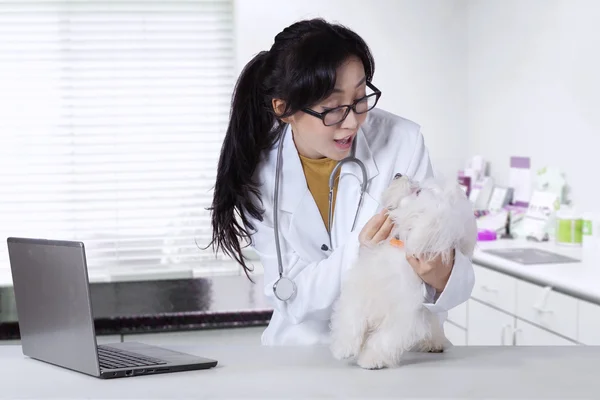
x: 285, y: 288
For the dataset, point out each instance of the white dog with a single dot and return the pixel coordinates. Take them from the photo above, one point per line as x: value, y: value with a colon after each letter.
x: 380, y: 312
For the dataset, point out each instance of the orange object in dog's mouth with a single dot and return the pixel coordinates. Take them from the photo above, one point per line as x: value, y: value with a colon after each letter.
x: 397, y: 243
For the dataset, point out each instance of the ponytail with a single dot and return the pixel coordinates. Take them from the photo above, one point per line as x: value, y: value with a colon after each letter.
x: 249, y: 132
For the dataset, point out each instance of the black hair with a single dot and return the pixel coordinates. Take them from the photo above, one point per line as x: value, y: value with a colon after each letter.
x: 300, y: 69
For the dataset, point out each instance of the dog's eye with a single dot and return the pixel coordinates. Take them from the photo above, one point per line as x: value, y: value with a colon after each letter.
x: 418, y: 192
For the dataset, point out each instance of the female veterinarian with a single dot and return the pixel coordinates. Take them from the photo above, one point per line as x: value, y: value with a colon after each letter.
x: 298, y: 109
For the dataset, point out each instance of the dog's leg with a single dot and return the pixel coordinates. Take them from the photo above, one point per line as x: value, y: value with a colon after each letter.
x: 438, y: 338
x: 379, y: 351
x: 347, y: 343
x: 348, y: 328
x: 435, y: 342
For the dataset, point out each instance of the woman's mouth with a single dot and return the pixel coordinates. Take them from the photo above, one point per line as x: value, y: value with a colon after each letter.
x: 344, y: 143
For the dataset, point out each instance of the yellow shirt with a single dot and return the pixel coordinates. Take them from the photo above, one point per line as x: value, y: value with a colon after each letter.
x: 317, y: 173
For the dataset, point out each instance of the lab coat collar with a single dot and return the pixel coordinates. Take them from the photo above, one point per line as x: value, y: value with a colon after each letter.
x: 293, y: 184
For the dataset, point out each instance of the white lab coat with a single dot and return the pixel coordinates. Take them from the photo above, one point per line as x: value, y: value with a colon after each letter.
x: 386, y: 144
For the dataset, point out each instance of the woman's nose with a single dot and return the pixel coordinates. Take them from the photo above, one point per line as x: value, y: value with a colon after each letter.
x: 351, y: 121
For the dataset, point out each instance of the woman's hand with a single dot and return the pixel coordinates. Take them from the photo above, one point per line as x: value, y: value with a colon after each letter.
x: 435, y: 272
x: 378, y: 228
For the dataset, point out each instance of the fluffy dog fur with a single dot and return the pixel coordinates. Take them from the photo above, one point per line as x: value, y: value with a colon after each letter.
x: 380, y: 312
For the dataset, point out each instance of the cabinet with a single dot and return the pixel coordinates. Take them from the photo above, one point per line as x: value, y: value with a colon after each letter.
x: 491, y: 327
x: 546, y: 308
x: 589, y: 323
x: 527, y: 334
x: 488, y: 326
x: 504, y: 310
x: 458, y: 315
x: 455, y: 334
x: 495, y: 288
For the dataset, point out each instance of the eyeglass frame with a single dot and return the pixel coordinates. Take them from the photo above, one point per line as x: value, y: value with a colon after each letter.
x: 348, y: 107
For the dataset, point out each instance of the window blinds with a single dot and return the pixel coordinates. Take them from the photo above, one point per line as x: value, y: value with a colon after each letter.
x: 112, y: 115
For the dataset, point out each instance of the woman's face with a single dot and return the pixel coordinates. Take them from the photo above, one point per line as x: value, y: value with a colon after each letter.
x: 315, y: 140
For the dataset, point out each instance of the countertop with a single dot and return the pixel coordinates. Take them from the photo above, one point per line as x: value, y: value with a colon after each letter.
x: 165, y: 305
x: 247, y: 371
x: 580, y: 279
x: 194, y: 302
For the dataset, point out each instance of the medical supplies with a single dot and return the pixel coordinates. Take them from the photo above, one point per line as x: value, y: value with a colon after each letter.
x: 537, y: 223
x: 476, y: 183
x: 500, y: 198
x: 476, y: 168
x: 551, y: 179
x: 568, y: 227
x: 481, y: 192
x: 486, y: 236
x: 520, y: 179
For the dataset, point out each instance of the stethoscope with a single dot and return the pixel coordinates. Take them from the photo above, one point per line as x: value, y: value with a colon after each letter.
x: 285, y: 288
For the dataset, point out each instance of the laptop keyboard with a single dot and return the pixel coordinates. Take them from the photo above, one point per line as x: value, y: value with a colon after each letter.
x: 111, y: 358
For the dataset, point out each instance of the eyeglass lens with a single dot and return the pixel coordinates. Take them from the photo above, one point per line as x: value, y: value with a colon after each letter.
x: 337, y: 115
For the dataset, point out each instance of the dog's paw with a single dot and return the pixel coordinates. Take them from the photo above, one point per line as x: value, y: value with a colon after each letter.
x: 436, y: 349
x: 341, y: 350
x: 430, y: 346
x: 369, y: 359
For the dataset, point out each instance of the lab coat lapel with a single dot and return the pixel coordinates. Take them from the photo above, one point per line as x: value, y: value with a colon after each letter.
x: 306, y: 229
x: 309, y: 237
x: 348, y: 194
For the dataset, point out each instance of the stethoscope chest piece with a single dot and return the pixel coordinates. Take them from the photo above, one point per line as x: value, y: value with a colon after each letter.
x: 284, y: 289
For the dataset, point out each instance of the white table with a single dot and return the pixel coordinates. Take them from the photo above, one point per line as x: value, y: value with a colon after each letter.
x: 252, y: 371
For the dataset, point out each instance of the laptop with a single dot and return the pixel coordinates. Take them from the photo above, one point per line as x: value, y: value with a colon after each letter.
x: 56, y: 324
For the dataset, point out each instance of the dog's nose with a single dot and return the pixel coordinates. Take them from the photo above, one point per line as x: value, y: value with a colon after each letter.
x: 398, y: 175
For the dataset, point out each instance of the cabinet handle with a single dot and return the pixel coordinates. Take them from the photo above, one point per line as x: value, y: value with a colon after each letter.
x: 539, y: 306
x: 487, y: 289
x: 542, y: 310
x: 515, y: 335
x: 503, y: 333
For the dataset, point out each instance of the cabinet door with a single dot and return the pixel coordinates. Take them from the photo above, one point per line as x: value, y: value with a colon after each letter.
x: 527, y: 334
x: 495, y: 288
x: 456, y: 335
x: 458, y: 315
x: 545, y: 307
x: 589, y: 323
x: 488, y: 326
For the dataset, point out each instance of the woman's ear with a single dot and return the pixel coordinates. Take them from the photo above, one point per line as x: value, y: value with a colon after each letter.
x: 279, y: 109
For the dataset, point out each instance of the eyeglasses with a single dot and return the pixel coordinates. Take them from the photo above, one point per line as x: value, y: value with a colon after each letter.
x: 336, y: 115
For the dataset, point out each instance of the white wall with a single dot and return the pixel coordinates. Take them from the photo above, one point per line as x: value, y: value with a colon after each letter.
x: 420, y: 57
x: 534, y: 87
